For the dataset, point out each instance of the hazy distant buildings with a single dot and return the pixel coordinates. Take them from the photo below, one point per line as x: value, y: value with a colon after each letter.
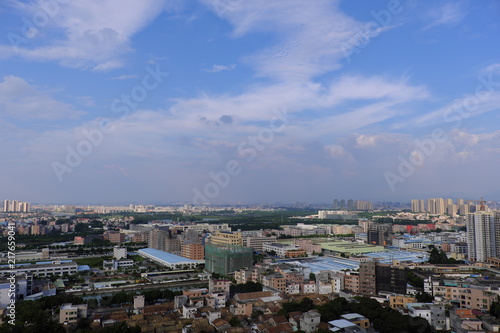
x: 363, y: 205
x: 418, y: 206
x: 351, y: 204
x: 14, y: 206
x: 435, y: 206
x: 440, y: 206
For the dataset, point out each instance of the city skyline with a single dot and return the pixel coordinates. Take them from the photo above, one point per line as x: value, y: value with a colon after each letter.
x: 228, y: 101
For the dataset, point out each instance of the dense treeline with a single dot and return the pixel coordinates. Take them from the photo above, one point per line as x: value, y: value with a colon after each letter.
x: 37, y: 316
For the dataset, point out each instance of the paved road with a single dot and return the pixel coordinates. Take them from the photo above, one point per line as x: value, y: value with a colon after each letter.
x: 187, y: 283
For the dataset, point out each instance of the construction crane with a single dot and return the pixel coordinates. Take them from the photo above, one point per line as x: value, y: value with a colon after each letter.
x: 482, y: 204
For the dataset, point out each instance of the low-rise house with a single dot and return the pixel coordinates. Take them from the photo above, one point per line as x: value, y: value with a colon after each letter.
x: 309, y: 321
x: 69, y: 313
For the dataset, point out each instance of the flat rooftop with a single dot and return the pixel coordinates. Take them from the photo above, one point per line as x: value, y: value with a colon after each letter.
x: 389, y: 256
x: 325, y: 264
x: 348, y: 247
x: 165, y: 256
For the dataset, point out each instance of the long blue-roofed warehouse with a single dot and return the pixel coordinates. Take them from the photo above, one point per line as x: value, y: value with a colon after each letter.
x: 168, y: 259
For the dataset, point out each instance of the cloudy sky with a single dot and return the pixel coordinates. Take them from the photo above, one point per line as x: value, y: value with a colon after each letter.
x: 226, y: 101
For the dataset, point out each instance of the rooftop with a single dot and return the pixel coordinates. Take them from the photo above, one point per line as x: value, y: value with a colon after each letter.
x: 352, y: 316
x: 165, y: 256
x: 327, y: 264
x: 341, y: 323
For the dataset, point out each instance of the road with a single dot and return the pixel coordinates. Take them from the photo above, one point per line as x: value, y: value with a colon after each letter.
x: 187, y: 283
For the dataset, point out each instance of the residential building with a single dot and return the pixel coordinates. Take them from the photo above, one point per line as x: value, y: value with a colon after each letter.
x: 307, y: 245
x: 367, y: 278
x: 400, y: 301
x: 483, y: 233
x: 226, y: 238
x: 219, y: 286
x: 309, y: 321
x: 119, y: 252
x: 378, y: 233
x: 351, y: 281
x: 193, y: 251
x: 114, y: 264
x: 390, y: 279
x: 279, y: 248
x: 69, y: 313
x: 257, y: 242
x: 418, y: 206
x: 363, y: 205
x: 114, y: 237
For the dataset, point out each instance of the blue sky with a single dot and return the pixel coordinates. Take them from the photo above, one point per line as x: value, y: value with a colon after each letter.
x: 233, y: 101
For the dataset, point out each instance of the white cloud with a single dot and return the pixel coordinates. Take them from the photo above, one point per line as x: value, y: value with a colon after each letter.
x: 125, y: 77
x: 449, y: 14
x: 312, y: 39
x: 20, y: 100
x: 94, y: 34
x: 492, y: 69
x: 457, y: 112
x: 219, y: 68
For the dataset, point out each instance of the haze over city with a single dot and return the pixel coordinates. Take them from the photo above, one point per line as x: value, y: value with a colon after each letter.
x: 228, y: 101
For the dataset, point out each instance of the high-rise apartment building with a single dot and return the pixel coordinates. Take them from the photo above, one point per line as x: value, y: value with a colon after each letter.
x: 378, y: 233
x: 447, y: 206
x: 193, y: 251
x: 363, y: 205
x: 436, y: 206
x: 367, y: 281
x: 418, y: 206
x: 483, y: 235
x: 15, y: 206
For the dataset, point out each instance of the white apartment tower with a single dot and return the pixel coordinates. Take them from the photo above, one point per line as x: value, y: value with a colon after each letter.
x: 436, y: 206
x: 483, y: 230
x: 15, y: 206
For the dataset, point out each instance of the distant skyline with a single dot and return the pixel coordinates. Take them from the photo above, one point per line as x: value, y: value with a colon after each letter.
x: 233, y: 101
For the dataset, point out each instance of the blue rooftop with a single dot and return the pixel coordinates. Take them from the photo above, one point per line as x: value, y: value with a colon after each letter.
x: 326, y: 263
x: 389, y: 256
x: 165, y: 256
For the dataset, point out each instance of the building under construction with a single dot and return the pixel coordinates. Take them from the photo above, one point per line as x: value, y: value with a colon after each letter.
x: 224, y: 259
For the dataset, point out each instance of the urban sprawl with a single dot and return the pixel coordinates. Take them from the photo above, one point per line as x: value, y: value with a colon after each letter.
x: 432, y: 265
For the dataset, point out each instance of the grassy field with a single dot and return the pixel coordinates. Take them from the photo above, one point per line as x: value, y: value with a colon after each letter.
x: 92, y: 262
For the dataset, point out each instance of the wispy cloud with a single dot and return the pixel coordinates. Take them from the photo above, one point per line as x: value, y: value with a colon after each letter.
x: 20, y: 100
x: 312, y: 40
x: 449, y: 14
x: 125, y: 77
x: 219, y: 68
x: 91, y: 35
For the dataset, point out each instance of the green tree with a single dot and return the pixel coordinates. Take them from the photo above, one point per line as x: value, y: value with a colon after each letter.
x: 438, y: 257
x: 235, y: 322
x: 495, y: 309
x: 424, y: 297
